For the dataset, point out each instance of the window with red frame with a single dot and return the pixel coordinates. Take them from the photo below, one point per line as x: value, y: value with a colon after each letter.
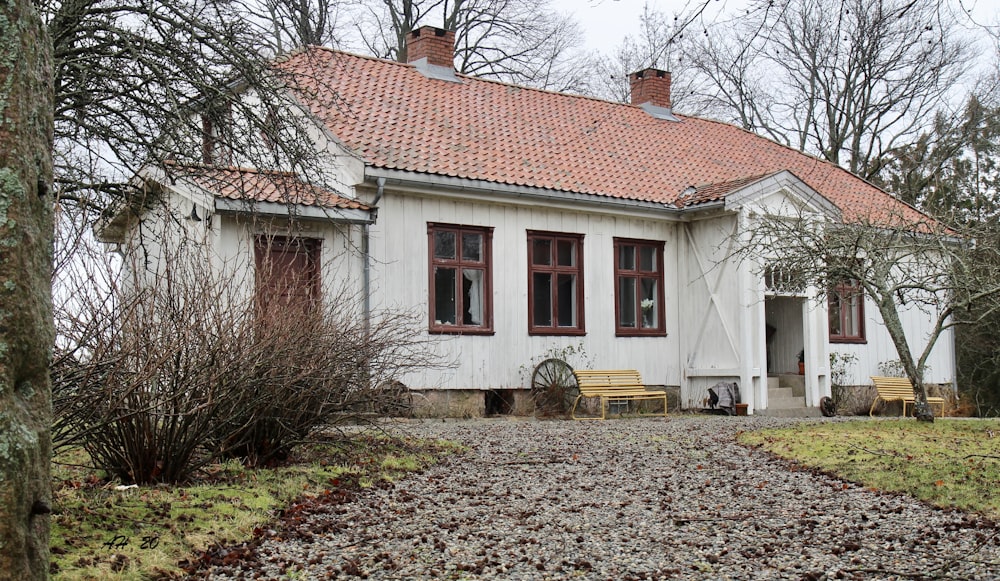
x: 555, y: 284
x: 639, y: 288
x: 461, y: 278
x: 846, y: 307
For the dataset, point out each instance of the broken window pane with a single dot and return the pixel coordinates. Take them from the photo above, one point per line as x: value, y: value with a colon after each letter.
x: 444, y: 245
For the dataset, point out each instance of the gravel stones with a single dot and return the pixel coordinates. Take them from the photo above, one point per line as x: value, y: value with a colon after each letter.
x: 626, y: 499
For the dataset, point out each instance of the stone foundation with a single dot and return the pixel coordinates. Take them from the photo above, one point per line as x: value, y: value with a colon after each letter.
x: 474, y: 403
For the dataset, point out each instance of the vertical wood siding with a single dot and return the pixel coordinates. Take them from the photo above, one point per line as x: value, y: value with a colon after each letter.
x: 503, y: 360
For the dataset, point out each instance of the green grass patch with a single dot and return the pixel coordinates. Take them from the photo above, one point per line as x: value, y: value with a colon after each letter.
x: 100, y: 531
x: 949, y: 463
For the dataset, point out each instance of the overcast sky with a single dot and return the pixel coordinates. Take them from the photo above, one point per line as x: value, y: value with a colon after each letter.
x: 607, y: 22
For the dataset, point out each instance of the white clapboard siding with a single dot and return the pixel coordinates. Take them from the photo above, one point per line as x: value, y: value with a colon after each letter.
x: 879, y: 347
x: 400, y: 278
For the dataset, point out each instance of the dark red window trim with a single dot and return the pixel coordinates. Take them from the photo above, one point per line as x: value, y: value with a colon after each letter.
x: 555, y: 269
x: 837, y: 295
x: 638, y: 274
x: 458, y: 263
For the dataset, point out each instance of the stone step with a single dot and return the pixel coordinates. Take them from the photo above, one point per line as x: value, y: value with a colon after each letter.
x: 780, y: 392
x: 785, y: 403
x: 796, y: 382
x: 802, y: 412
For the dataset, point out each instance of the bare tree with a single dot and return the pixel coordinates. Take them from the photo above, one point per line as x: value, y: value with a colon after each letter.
x: 849, y: 80
x: 657, y: 45
x: 297, y: 23
x: 25, y: 295
x: 946, y: 273
x: 517, y: 41
x: 138, y: 82
x: 157, y: 376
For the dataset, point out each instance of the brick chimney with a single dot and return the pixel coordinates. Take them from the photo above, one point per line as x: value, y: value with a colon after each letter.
x: 435, y: 44
x: 650, y: 86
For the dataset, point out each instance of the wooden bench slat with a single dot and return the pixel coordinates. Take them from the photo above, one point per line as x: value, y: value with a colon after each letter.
x: 614, y: 385
x: 898, y: 389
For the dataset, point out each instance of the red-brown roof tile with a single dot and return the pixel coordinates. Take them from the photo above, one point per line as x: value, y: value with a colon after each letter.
x: 396, y: 118
x: 703, y: 194
x: 254, y: 185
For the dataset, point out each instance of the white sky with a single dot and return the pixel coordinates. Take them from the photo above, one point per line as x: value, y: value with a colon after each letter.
x: 607, y: 22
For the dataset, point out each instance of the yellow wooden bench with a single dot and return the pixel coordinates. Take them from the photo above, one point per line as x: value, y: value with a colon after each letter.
x: 614, y: 385
x: 898, y: 389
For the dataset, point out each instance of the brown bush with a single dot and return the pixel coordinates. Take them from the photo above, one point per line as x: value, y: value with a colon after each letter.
x: 156, y: 382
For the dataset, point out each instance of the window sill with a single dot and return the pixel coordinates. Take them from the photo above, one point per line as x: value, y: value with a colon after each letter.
x: 460, y: 331
x: 849, y: 340
x: 630, y: 333
x: 557, y: 331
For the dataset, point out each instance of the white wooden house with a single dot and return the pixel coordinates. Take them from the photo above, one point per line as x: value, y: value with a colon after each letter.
x: 523, y: 221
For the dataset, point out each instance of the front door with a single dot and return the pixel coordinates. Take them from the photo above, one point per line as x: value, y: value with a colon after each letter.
x: 287, y: 276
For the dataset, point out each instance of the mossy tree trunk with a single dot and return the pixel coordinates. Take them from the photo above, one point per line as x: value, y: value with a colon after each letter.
x: 26, y: 333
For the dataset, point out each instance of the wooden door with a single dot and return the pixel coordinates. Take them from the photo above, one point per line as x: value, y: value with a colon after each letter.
x: 287, y: 275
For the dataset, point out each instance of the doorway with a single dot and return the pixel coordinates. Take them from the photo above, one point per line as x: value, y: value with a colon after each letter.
x: 785, y: 337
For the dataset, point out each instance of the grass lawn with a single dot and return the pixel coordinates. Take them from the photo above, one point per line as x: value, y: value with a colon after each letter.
x: 949, y: 463
x: 103, y: 531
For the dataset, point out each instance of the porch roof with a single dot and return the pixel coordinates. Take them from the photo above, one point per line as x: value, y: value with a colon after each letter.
x: 256, y: 185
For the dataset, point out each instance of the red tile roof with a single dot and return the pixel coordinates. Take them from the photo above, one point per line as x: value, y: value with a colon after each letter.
x: 254, y: 185
x: 703, y: 194
x: 396, y: 118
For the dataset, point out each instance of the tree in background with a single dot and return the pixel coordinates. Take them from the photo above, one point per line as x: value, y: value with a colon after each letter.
x: 296, y: 23
x: 850, y: 81
x: 952, y: 169
x: 25, y: 295
x: 138, y: 82
x: 516, y: 41
x: 660, y: 44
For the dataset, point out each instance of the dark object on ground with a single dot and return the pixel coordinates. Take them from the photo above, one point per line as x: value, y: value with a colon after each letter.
x: 827, y: 407
x: 722, y: 398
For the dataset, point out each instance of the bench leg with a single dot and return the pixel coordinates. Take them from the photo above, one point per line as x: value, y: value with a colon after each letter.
x: 572, y: 410
x: 871, y: 412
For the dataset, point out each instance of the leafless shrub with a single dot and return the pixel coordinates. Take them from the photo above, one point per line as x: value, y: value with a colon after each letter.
x: 853, y: 400
x: 156, y: 379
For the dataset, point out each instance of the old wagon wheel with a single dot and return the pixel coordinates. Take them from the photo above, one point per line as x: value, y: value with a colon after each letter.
x: 553, y: 387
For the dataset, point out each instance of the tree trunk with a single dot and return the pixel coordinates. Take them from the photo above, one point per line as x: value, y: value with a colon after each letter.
x: 890, y: 316
x: 26, y: 332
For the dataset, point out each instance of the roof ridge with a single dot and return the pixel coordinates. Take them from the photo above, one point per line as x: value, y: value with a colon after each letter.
x: 470, y: 77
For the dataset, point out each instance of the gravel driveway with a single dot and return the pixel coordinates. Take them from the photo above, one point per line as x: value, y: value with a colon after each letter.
x: 627, y: 499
